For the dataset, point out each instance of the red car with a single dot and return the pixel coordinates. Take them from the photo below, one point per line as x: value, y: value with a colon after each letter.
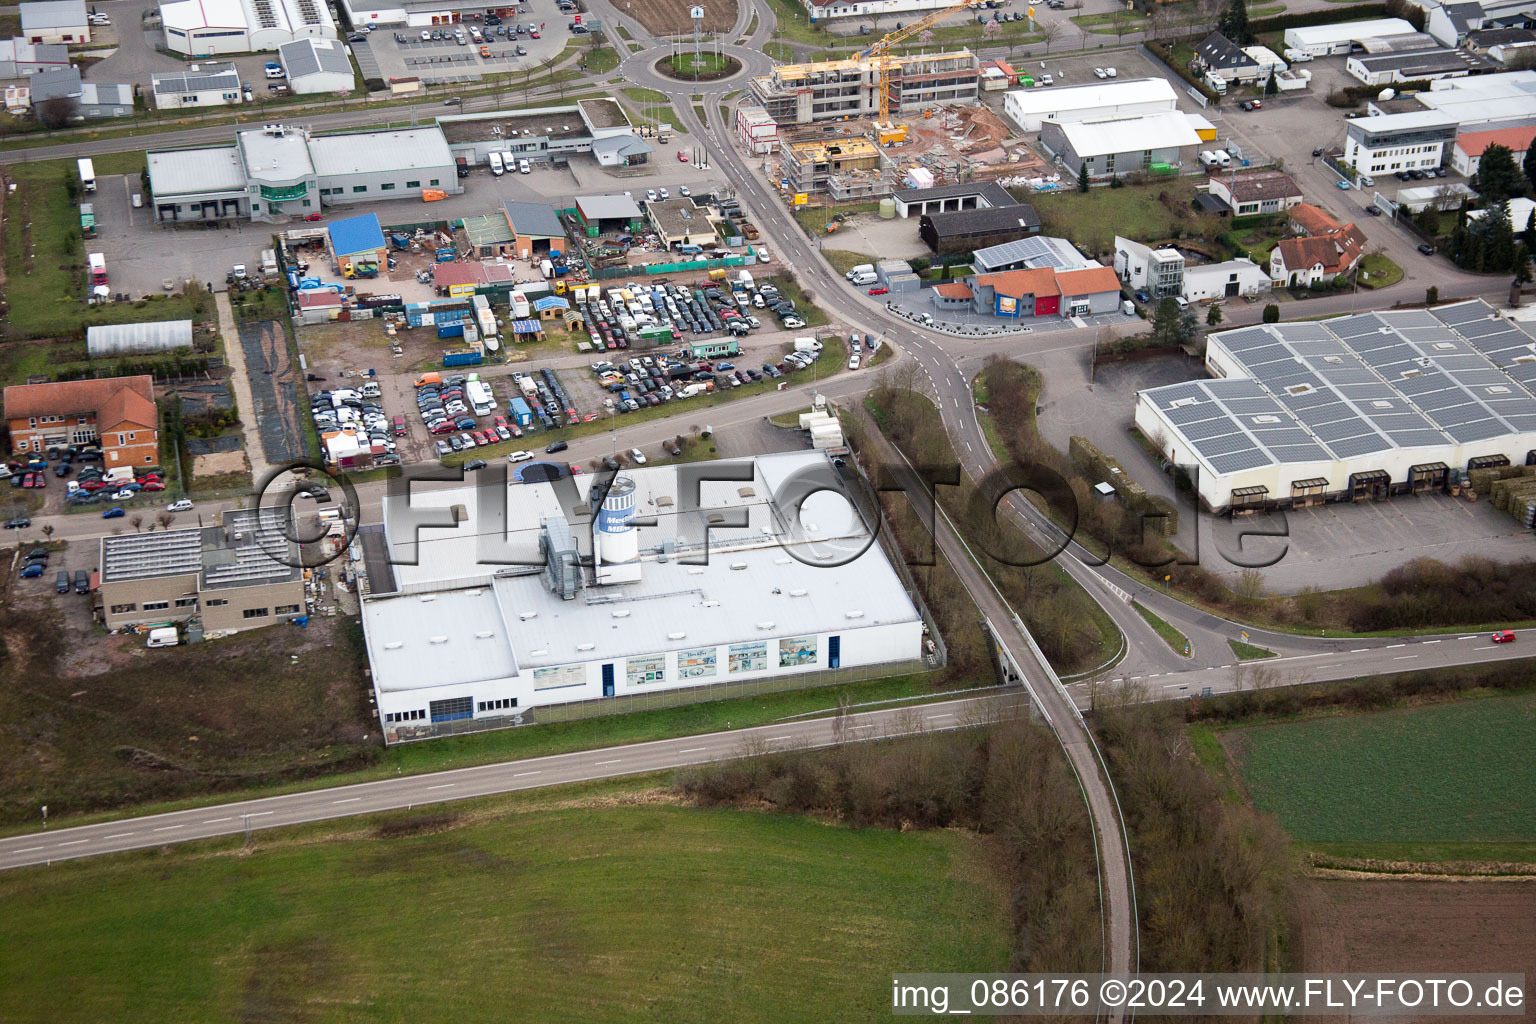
x: 480, y: 438
x: 154, y: 485
x: 682, y: 156
x: 1503, y: 636
x: 499, y: 421
x: 877, y: 290
x: 311, y: 216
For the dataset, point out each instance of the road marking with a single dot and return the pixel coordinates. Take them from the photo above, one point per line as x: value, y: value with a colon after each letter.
x: 1359, y: 650
x: 775, y: 739
x: 693, y: 750
x: 259, y: 814
x: 349, y: 800
x: 120, y: 835
x: 1392, y: 646
x: 215, y: 821
x: 77, y: 842
x: 935, y: 718
x: 1472, y: 636
x: 1405, y: 657
x: 1488, y: 648
x: 30, y: 849
x: 601, y: 763
x: 521, y: 774
x: 1431, y: 641
x: 446, y: 785
x: 168, y: 828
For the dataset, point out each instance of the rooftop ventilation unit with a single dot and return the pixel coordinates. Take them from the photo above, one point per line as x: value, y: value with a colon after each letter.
x: 525, y: 616
x: 676, y: 636
x: 484, y: 634
x: 738, y: 566
x: 855, y: 614
x: 620, y: 613
x: 765, y: 625
x: 585, y: 647
x: 393, y: 645
x: 437, y: 640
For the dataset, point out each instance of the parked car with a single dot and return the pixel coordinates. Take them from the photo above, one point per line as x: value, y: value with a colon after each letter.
x: 519, y: 456
x: 474, y: 464
x: 115, y: 512
x: 32, y: 571
x: 82, y: 581
x: 180, y: 505
x: 18, y: 523
x: 61, y: 582
x: 1426, y: 249
x: 556, y: 446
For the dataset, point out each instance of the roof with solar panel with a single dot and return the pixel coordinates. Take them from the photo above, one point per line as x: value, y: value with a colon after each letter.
x: 1339, y: 389
x: 252, y: 547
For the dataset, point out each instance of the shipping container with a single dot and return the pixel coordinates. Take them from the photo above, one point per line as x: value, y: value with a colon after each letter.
x: 453, y: 330
x: 521, y: 414
x: 463, y: 357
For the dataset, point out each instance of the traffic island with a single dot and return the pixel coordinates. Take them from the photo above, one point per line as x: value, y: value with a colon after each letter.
x: 700, y: 67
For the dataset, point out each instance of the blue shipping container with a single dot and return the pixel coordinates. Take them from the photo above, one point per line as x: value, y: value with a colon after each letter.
x: 450, y: 330
x: 468, y: 357
x: 521, y: 414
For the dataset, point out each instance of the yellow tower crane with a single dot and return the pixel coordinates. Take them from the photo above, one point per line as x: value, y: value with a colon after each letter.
x: 880, y: 52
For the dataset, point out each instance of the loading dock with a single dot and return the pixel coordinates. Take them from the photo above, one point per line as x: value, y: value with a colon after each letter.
x: 1427, y: 476
x: 1308, y: 492
x: 1372, y: 485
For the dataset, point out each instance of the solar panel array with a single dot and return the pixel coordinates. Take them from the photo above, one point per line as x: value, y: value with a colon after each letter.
x: 1035, y: 251
x: 262, y: 550
x: 150, y: 555
x: 1354, y: 386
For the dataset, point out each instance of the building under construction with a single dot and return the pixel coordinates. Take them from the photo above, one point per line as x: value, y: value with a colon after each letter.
x: 836, y: 89
x: 847, y: 168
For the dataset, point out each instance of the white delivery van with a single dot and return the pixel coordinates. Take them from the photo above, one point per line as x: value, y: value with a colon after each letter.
x: 864, y: 279
x: 860, y: 270
x: 1223, y: 158
x: 165, y: 636
x: 497, y: 168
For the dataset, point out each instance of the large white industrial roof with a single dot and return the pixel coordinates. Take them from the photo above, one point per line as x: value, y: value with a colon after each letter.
x: 276, y: 156
x: 196, y: 15
x: 1319, y: 35
x: 365, y: 152
x: 1332, y: 390
x: 174, y: 172
x: 459, y: 620
x: 1088, y: 97
x: 1129, y: 134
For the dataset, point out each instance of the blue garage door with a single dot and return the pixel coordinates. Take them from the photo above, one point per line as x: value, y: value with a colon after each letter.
x: 451, y: 710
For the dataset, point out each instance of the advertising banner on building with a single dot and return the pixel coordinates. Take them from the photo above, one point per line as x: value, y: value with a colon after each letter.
x: 696, y: 664
x: 1007, y: 305
x: 748, y: 657
x: 555, y: 678
x: 640, y: 671
x: 797, y: 651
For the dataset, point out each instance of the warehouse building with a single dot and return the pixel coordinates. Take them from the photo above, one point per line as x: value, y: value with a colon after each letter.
x: 553, y: 134
x: 585, y: 600
x: 208, y: 85
x: 535, y: 227
x: 1029, y: 253
x: 1031, y: 108
x: 965, y: 230
x: 317, y: 66
x: 1160, y: 143
x: 206, y: 28
x: 1230, y: 279
x: 1349, y: 409
x: 1255, y: 190
x: 841, y: 89
x: 680, y: 222
x: 240, y: 574
x: 19, y: 58
x: 1467, y: 152
x: 89, y: 100
x: 134, y: 339
x: 55, y: 21
x: 1323, y: 40
x: 280, y: 172
x: 1417, y: 66
x: 1042, y: 291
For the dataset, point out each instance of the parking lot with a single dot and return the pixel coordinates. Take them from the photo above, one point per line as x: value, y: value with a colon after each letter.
x: 401, y: 51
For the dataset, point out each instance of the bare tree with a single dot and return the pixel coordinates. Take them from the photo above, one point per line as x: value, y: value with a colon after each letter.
x: 137, y: 521
x: 47, y: 530
x: 165, y: 519
x: 57, y: 111
x: 1120, y: 21
x: 1250, y: 585
x: 1048, y: 33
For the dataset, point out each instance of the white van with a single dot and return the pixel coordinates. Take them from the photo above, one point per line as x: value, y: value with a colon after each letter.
x: 371, y: 390
x: 860, y: 271
x: 523, y: 168
x: 1223, y: 158
x: 165, y: 636
x: 497, y: 168
x: 863, y: 279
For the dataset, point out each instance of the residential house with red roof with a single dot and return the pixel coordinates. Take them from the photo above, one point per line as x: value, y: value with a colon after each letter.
x: 1303, y: 262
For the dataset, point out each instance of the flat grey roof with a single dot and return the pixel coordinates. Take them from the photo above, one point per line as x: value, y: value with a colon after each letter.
x: 53, y: 14
x: 678, y: 216
x: 275, y: 156
x: 174, y: 172
x: 1339, y: 389
x: 609, y: 207
x: 604, y: 112
x: 991, y: 191
x: 364, y: 152
x: 538, y: 220
x: 1428, y: 62
x: 552, y: 123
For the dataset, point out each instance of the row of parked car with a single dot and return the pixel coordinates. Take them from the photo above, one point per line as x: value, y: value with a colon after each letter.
x: 617, y: 318
x: 648, y: 381
x: 358, y: 409
x: 36, y: 564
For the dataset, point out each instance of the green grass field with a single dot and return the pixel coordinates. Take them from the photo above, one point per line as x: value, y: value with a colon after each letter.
x: 1451, y: 773
x: 583, y: 911
x: 1092, y: 219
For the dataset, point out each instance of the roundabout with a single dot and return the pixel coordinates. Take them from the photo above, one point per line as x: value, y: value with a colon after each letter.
x: 698, y: 67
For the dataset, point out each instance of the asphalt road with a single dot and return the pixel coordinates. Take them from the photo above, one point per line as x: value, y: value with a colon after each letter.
x: 486, y: 780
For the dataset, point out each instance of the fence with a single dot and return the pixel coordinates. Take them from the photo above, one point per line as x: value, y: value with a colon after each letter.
x: 601, y: 707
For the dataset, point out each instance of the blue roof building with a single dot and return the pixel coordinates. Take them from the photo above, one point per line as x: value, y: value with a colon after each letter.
x: 356, y: 236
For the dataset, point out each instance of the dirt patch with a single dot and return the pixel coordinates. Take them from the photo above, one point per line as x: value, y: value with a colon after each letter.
x: 220, y: 464
x: 1424, y: 927
x: 670, y: 17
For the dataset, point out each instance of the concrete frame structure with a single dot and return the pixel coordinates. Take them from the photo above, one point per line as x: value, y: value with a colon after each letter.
x: 806, y: 93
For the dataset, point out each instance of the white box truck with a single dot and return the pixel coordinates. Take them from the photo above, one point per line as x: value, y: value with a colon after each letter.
x: 87, y: 174
x: 497, y: 167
